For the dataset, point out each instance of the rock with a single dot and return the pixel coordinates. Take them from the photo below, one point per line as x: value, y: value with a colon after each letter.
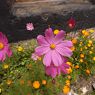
x: 37, y: 7
x: 93, y: 86
x: 84, y: 90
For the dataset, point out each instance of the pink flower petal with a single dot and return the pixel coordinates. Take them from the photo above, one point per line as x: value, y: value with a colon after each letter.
x: 47, y: 59
x: 59, y: 37
x: 41, y: 50
x: 65, y: 43
x: 56, y: 58
x: 9, y: 52
x: 64, y: 51
x: 49, y: 35
x: 51, y: 71
x: 42, y: 41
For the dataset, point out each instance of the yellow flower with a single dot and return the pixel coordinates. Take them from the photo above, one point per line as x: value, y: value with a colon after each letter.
x: 36, y: 84
x: 77, y: 67
x: 5, y: 66
x: 89, y: 45
x: 20, y: 49
x: 9, y: 82
x: 85, y: 47
x: 66, y: 89
x: 72, y: 48
x: 69, y: 77
x: 94, y: 58
x: 88, y: 71
x: 83, y: 31
x: 90, y: 42
x: 82, y: 55
x: 69, y: 70
x: 91, y: 30
x: 90, y: 52
x: 81, y: 49
x: 69, y: 63
x: 67, y: 82
x: 74, y: 41
x: 44, y: 82
x: 56, y: 32
x: 81, y: 60
x: 0, y: 90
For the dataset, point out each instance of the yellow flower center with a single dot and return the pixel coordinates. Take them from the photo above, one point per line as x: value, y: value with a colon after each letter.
x: 52, y: 46
x: 56, y: 32
x: 1, y: 45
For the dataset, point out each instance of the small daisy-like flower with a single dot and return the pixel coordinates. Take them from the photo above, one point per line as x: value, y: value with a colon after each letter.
x: 9, y: 82
x: 29, y: 26
x: 74, y: 41
x: 77, y: 67
x: 82, y: 55
x: 36, y: 84
x: 69, y: 63
x: 88, y: 71
x: 81, y: 60
x: 20, y: 49
x: 44, y: 82
x: 91, y: 30
x: 5, y: 66
x: 56, y: 32
x: 67, y: 82
x: 69, y: 70
x: 66, y: 89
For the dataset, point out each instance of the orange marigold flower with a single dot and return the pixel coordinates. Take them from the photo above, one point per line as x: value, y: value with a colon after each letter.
x: 44, y: 82
x: 66, y: 89
x: 69, y: 77
x: 77, y: 67
x: 82, y: 55
x: 36, y: 84
x: 88, y: 71
x: 67, y: 82
x: 69, y: 70
x: 69, y: 63
x: 74, y: 41
x: 72, y: 48
x: 9, y: 82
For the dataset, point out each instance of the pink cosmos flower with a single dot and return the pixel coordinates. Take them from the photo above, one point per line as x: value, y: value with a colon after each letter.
x: 53, y: 47
x: 53, y: 71
x: 4, y: 47
x: 29, y: 26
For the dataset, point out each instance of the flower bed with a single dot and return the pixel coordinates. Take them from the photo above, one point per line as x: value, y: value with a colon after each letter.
x: 49, y: 65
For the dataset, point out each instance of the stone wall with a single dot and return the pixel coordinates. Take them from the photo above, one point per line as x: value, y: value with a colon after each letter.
x: 21, y: 8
